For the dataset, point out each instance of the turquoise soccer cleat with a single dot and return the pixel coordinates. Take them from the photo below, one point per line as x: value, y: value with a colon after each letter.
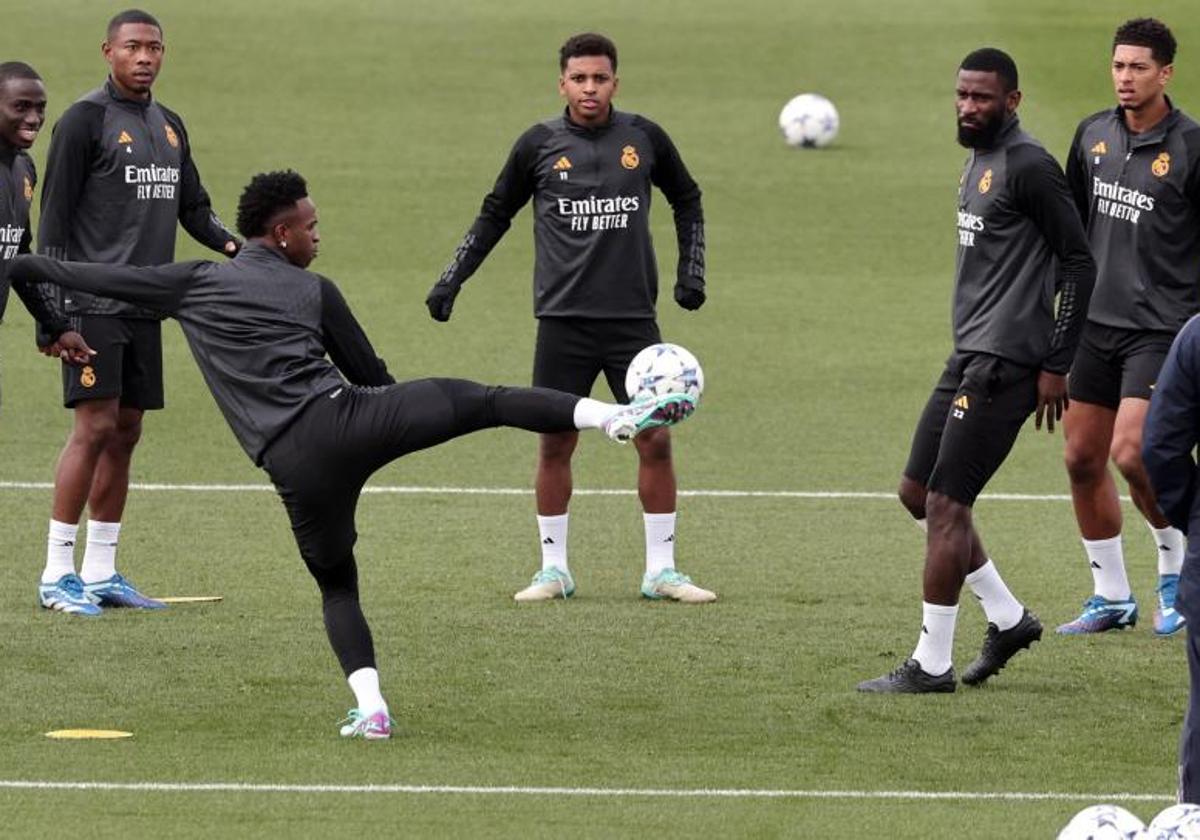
x: 631, y: 420
x: 547, y: 585
x: 376, y: 726
x: 118, y: 592
x: 1167, y: 619
x: 67, y: 595
x: 1101, y: 615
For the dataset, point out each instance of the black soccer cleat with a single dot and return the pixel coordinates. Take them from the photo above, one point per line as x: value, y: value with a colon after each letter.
x: 1001, y: 646
x: 910, y: 679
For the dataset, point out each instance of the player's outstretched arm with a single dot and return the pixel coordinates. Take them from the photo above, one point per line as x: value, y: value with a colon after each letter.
x: 683, y: 193
x: 157, y: 287
x: 346, y: 342
x: 1169, y: 435
x: 513, y: 188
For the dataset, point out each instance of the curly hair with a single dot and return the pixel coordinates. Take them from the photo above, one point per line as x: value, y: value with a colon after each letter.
x: 587, y: 43
x: 265, y: 195
x: 1147, y: 32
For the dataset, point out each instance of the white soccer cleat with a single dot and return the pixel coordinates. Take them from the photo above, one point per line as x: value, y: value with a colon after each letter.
x: 628, y: 421
x: 547, y: 585
x: 672, y: 585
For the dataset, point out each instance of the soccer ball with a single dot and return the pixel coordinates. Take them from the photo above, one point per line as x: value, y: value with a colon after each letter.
x: 662, y: 369
x: 1102, y: 822
x: 1175, y: 823
x: 808, y: 121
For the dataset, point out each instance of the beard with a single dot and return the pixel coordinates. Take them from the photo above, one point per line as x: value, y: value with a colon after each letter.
x: 983, y: 137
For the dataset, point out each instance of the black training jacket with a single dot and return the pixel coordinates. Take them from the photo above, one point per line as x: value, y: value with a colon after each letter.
x: 1139, y: 195
x: 591, y: 189
x: 1020, y: 244
x: 262, y: 331
x: 119, y: 174
x: 17, y: 180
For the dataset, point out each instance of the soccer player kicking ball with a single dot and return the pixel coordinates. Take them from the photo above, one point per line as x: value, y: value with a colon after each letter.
x: 1135, y: 173
x: 589, y: 172
x: 310, y: 402
x: 1020, y: 241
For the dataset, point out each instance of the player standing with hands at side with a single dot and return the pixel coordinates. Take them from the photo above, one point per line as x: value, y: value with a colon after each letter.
x: 119, y: 177
x: 1135, y: 173
x: 589, y: 172
x: 1020, y: 243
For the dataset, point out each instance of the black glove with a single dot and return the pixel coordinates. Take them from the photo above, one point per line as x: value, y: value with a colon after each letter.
x: 688, y: 296
x: 440, y: 300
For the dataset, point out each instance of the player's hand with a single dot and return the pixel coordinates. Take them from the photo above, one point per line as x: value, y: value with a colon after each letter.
x: 72, y: 349
x: 690, y: 297
x: 440, y: 300
x: 1051, y: 399
x: 232, y: 247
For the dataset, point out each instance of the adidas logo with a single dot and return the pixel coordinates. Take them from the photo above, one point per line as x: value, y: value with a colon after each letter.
x: 1095, y: 565
x: 562, y: 164
x: 924, y: 629
x: 670, y: 538
x: 962, y: 402
x: 548, y: 541
x: 124, y: 139
x: 1100, y: 148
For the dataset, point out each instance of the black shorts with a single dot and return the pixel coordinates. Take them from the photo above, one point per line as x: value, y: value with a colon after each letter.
x: 571, y: 352
x: 128, y: 363
x: 970, y: 424
x: 1113, y: 363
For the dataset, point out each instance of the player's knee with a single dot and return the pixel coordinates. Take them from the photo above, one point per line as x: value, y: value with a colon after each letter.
x: 557, y: 448
x: 95, y: 431
x: 945, y: 513
x: 1083, y: 465
x: 1127, y: 456
x: 126, y: 435
x: 912, y: 496
x: 654, y: 445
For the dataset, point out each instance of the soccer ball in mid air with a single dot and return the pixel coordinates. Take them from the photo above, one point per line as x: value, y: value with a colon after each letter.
x: 662, y: 369
x: 808, y: 121
x: 1102, y: 822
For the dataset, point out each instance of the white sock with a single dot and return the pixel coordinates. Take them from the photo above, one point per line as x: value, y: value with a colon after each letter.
x: 1108, y: 568
x: 923, y: 524
x: 591, y: 414
x: 60, y: 551
x: 365, y: 684
x: 1171, y: 545
x: 999, y: 605
x: 935, y: 647
x: 553, y: 532
x: 100, y: 556
x: 660, y: 542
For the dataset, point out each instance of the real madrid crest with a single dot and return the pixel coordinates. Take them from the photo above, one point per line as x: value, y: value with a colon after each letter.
x: 1161, y: 165
x: 87, y: 376
x: 985, y: 183
x: 629, y: 157
x: 28, y: 189
x: 172, y: 138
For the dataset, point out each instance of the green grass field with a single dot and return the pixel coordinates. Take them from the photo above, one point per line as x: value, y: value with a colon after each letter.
x: 828, y: 317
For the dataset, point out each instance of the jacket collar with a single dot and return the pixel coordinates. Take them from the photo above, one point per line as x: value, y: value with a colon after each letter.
x: 110, y: 88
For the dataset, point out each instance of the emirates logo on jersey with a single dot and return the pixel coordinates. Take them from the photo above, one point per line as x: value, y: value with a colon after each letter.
x: 1161, y: 165
x: 629, y: 157
x: 28, y: 189
x: 985, y: 183
x: 172, y: 138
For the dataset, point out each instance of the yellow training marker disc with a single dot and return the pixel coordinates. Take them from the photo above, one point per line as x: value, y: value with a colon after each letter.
x: 88, y: 734
x: 191, y: 599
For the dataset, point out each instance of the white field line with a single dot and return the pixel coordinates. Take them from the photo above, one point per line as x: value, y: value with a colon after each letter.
x: 525, y: 491
x: 511, y: 790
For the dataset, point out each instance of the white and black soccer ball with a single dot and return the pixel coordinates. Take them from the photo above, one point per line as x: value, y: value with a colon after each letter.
x: 809, y: 121
x: 662, y: 369
x: 1103, y: 822
x: 1178, y: 822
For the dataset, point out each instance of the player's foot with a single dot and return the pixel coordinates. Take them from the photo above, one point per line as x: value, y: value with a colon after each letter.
x: 629, y: 421
x: 66, y: 595
x: 547, y: 585
x: 376, y: 726
x: 670, y: 584
x: 999, y: 646
x: 1100, y: 614
x: 1167, y: 619
x: 910, y: 679
x: 118, y: 592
